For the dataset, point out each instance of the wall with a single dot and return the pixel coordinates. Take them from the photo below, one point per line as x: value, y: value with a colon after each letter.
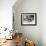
x: 43, y: 22
x: 29, y: 32
x: 6, y: 13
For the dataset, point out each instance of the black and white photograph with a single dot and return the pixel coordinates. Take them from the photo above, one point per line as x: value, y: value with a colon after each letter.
x: 28, y: 18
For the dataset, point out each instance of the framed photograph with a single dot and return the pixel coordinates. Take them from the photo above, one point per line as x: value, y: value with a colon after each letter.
x: 28, y: 18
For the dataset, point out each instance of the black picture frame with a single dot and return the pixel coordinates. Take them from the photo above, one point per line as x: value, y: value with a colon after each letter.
x: 29, y: 19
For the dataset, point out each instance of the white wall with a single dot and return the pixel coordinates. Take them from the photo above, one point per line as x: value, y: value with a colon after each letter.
x: 31, y: 32
x: 36, y: 33
x: 6, y: 13
x: 43, y: 22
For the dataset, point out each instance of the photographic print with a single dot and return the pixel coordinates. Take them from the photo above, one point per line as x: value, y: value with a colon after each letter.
x: 28, y: 19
